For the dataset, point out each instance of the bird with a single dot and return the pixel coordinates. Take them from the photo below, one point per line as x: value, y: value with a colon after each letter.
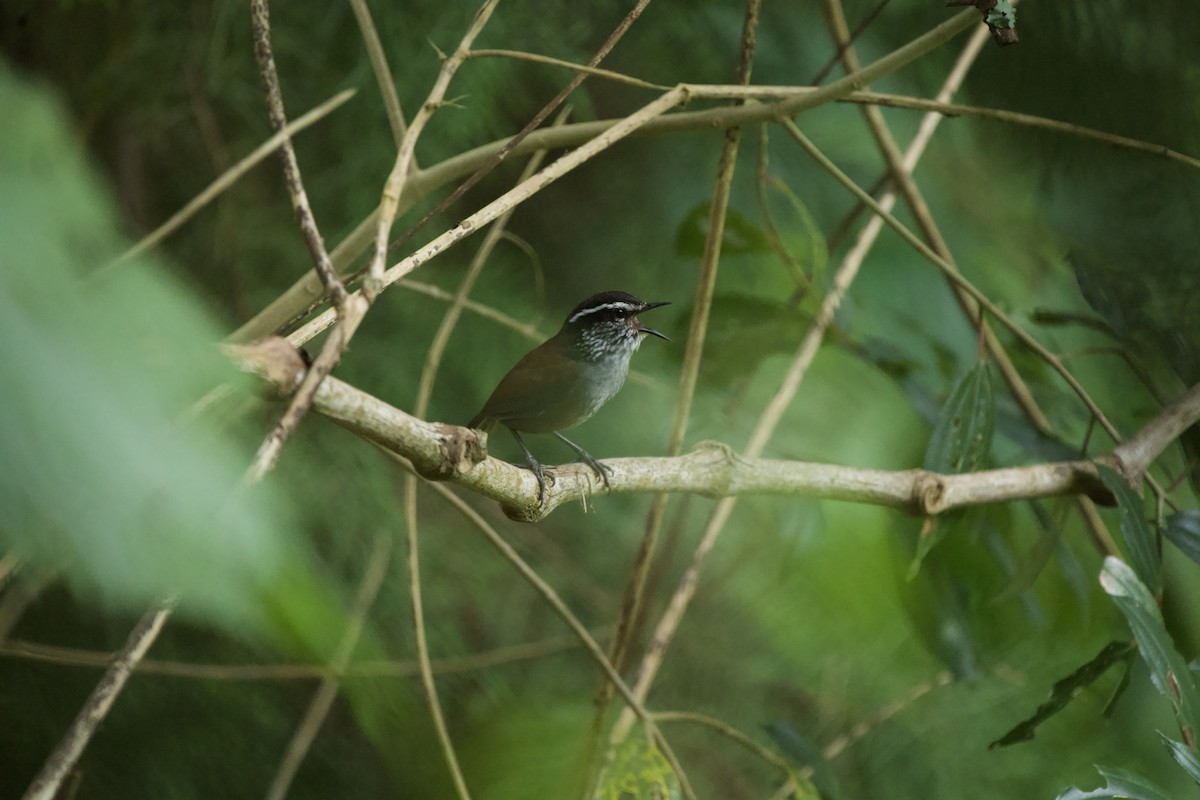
x: 567, y: 378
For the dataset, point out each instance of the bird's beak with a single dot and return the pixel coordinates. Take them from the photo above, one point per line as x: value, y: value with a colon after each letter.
x: 643, y: 329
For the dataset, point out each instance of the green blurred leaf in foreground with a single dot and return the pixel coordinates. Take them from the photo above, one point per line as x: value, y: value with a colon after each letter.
x: 105, y: 476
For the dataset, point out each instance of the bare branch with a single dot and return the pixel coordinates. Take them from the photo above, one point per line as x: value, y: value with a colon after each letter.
x: 228, y: 178
x: 261, y: 20
x: 393, y: 188
x: 301, y: 295
x: 450, y: 452
x: 318, y: 709
x: 48, y: 782
x: 379, y: 65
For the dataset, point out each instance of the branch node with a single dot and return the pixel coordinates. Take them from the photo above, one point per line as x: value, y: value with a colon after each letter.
x: 929, y: 493
x: 461, y: 449
x: 275, y: 360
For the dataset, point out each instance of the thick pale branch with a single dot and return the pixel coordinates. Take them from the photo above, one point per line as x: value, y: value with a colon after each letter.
x: 450, y: 452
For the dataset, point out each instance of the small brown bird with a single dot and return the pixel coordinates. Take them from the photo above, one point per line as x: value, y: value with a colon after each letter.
x: 567, y: 378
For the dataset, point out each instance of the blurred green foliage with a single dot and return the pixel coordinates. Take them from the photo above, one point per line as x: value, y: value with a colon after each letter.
x: 803, y: 620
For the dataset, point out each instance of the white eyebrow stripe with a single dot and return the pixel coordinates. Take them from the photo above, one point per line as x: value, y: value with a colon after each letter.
x: 602, y: 307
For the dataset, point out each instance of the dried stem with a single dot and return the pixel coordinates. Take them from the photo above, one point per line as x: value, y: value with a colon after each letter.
x: 379, y: 65
x: 701, y: 305
x: 322, y: 702
x: 77, y: 657
x: 261, y: 20
x: 300, y: 296
x: 350, y: 310
x: 227, y: 179
x: 433, y: 359
x: 537, y: 119
x: 393, y: 188
x: 47, y: 784
x: 556, y: 603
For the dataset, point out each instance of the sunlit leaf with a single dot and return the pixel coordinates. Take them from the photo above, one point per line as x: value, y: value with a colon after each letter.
x: 1167, y: 667
x: 638, y: 770
x: 1184, y: 755
x: 1139, y: 539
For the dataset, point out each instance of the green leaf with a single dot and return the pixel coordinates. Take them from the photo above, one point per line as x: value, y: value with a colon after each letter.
x: 812, y: 235
x: 1139, y: 539
x: 1167, y: 667
x: 961, y: 442
x: 639, y: 770
x: 962, y: 438
x: 1121, y: 784
x: 1183, y: 530
x: 1066, y: 689
x: 106, y: 478
x: 1186, y: 756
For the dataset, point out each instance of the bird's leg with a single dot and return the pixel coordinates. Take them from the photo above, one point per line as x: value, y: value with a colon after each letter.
x: 600, y: 469
x: 535, y: 466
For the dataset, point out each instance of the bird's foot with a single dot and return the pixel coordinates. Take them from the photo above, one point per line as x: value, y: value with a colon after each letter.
x: 601, y: 469
x: 539, y: 472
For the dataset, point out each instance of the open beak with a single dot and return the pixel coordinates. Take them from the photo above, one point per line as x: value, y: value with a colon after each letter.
x: 643, y: 329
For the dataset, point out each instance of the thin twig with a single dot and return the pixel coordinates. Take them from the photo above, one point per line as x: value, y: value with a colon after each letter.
x: 441, y: 338
x: 226, y: 179
x: 499, y: 656
x: 322, y: 701
x: 701, y: 305
x: 260, y: 19
x: 350, y: 315
x: 537, y: 119
x: 839, y: 745
x: 299, y: 297
x: 433, y: 357
x: 349, y: 310
x: 728, y: 731
x: 379, y: 65
x: 556, y: 603
x: 537, y: 58
x: 62, y: 761
x: 513, y: 197
x: 393, y: 188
